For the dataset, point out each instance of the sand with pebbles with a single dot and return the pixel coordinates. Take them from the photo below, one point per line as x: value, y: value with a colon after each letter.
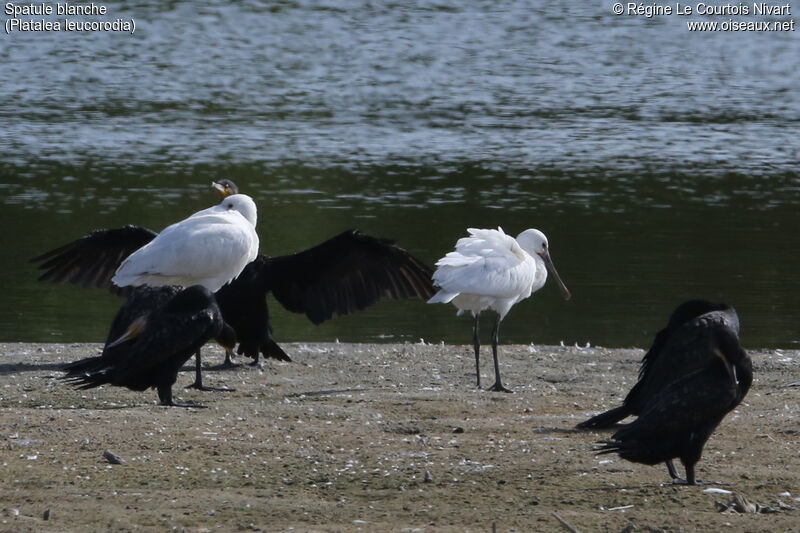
x: 356, y: 437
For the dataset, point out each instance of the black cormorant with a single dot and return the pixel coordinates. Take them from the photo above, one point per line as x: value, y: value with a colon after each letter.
x: 668, y: 358
x: 342, y: 275
x: 147, y: 350
x: 678, y: 419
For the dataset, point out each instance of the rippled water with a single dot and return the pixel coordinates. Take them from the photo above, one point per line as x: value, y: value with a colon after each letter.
x: 662, y: 164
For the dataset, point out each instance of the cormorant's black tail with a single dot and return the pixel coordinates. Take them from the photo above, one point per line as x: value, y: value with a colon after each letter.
x: 273, y: 351
x: 607, y: 446
x: 605, y: 420
x: 630, y: 449
x: 87, y: 373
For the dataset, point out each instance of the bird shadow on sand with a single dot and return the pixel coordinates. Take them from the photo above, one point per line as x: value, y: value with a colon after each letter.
x: 107, y: 407
x: 561, y: 430
x: 14, y: 368
x: 124, y: 406
x: 190, y: 367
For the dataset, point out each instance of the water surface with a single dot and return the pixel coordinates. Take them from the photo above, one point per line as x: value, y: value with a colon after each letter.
x: 661, y: 164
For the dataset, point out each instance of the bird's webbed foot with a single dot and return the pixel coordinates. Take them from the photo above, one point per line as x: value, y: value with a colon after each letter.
x: 228, y: 363
x: 165, y: 399
x: 498, y: 387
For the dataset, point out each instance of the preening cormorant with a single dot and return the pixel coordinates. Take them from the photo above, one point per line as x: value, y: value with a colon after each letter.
x: 492, y: 270
x: 669, y: 358
x: 678, y: 419
x: 148, y: 350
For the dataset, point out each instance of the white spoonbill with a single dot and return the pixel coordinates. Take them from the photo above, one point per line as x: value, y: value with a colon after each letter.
x: 210, y: 248
x: 492, y: 270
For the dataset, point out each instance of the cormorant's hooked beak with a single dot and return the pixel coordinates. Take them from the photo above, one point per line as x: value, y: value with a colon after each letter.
x: 552, y: 268
x: 133, y: 331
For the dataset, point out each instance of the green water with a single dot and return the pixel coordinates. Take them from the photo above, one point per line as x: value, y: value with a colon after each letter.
x: 662, y: 165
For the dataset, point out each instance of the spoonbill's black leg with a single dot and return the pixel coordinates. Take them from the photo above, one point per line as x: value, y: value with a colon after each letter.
x: 476, y: 343
x: 498, y: 385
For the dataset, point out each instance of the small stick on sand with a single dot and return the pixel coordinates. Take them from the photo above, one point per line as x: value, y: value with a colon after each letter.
x: 565, y: 523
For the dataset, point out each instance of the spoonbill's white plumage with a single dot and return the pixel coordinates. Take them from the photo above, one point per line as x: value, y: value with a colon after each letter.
x: 492, y: 270
x: 210, y: 248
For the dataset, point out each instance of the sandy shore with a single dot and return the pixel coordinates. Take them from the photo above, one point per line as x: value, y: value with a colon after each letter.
x: 354, y: 437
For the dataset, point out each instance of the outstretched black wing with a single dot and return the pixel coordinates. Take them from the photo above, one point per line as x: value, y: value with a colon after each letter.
x: 92, y: 260
x: 345, y: 274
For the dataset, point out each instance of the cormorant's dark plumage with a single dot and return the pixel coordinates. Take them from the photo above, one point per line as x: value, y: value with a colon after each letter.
x: 670, y: 356
x: 678, y: 419
x: 148, y: 350
x: 92, y: 260
x: 342, y: 275
x: 140, y: 302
